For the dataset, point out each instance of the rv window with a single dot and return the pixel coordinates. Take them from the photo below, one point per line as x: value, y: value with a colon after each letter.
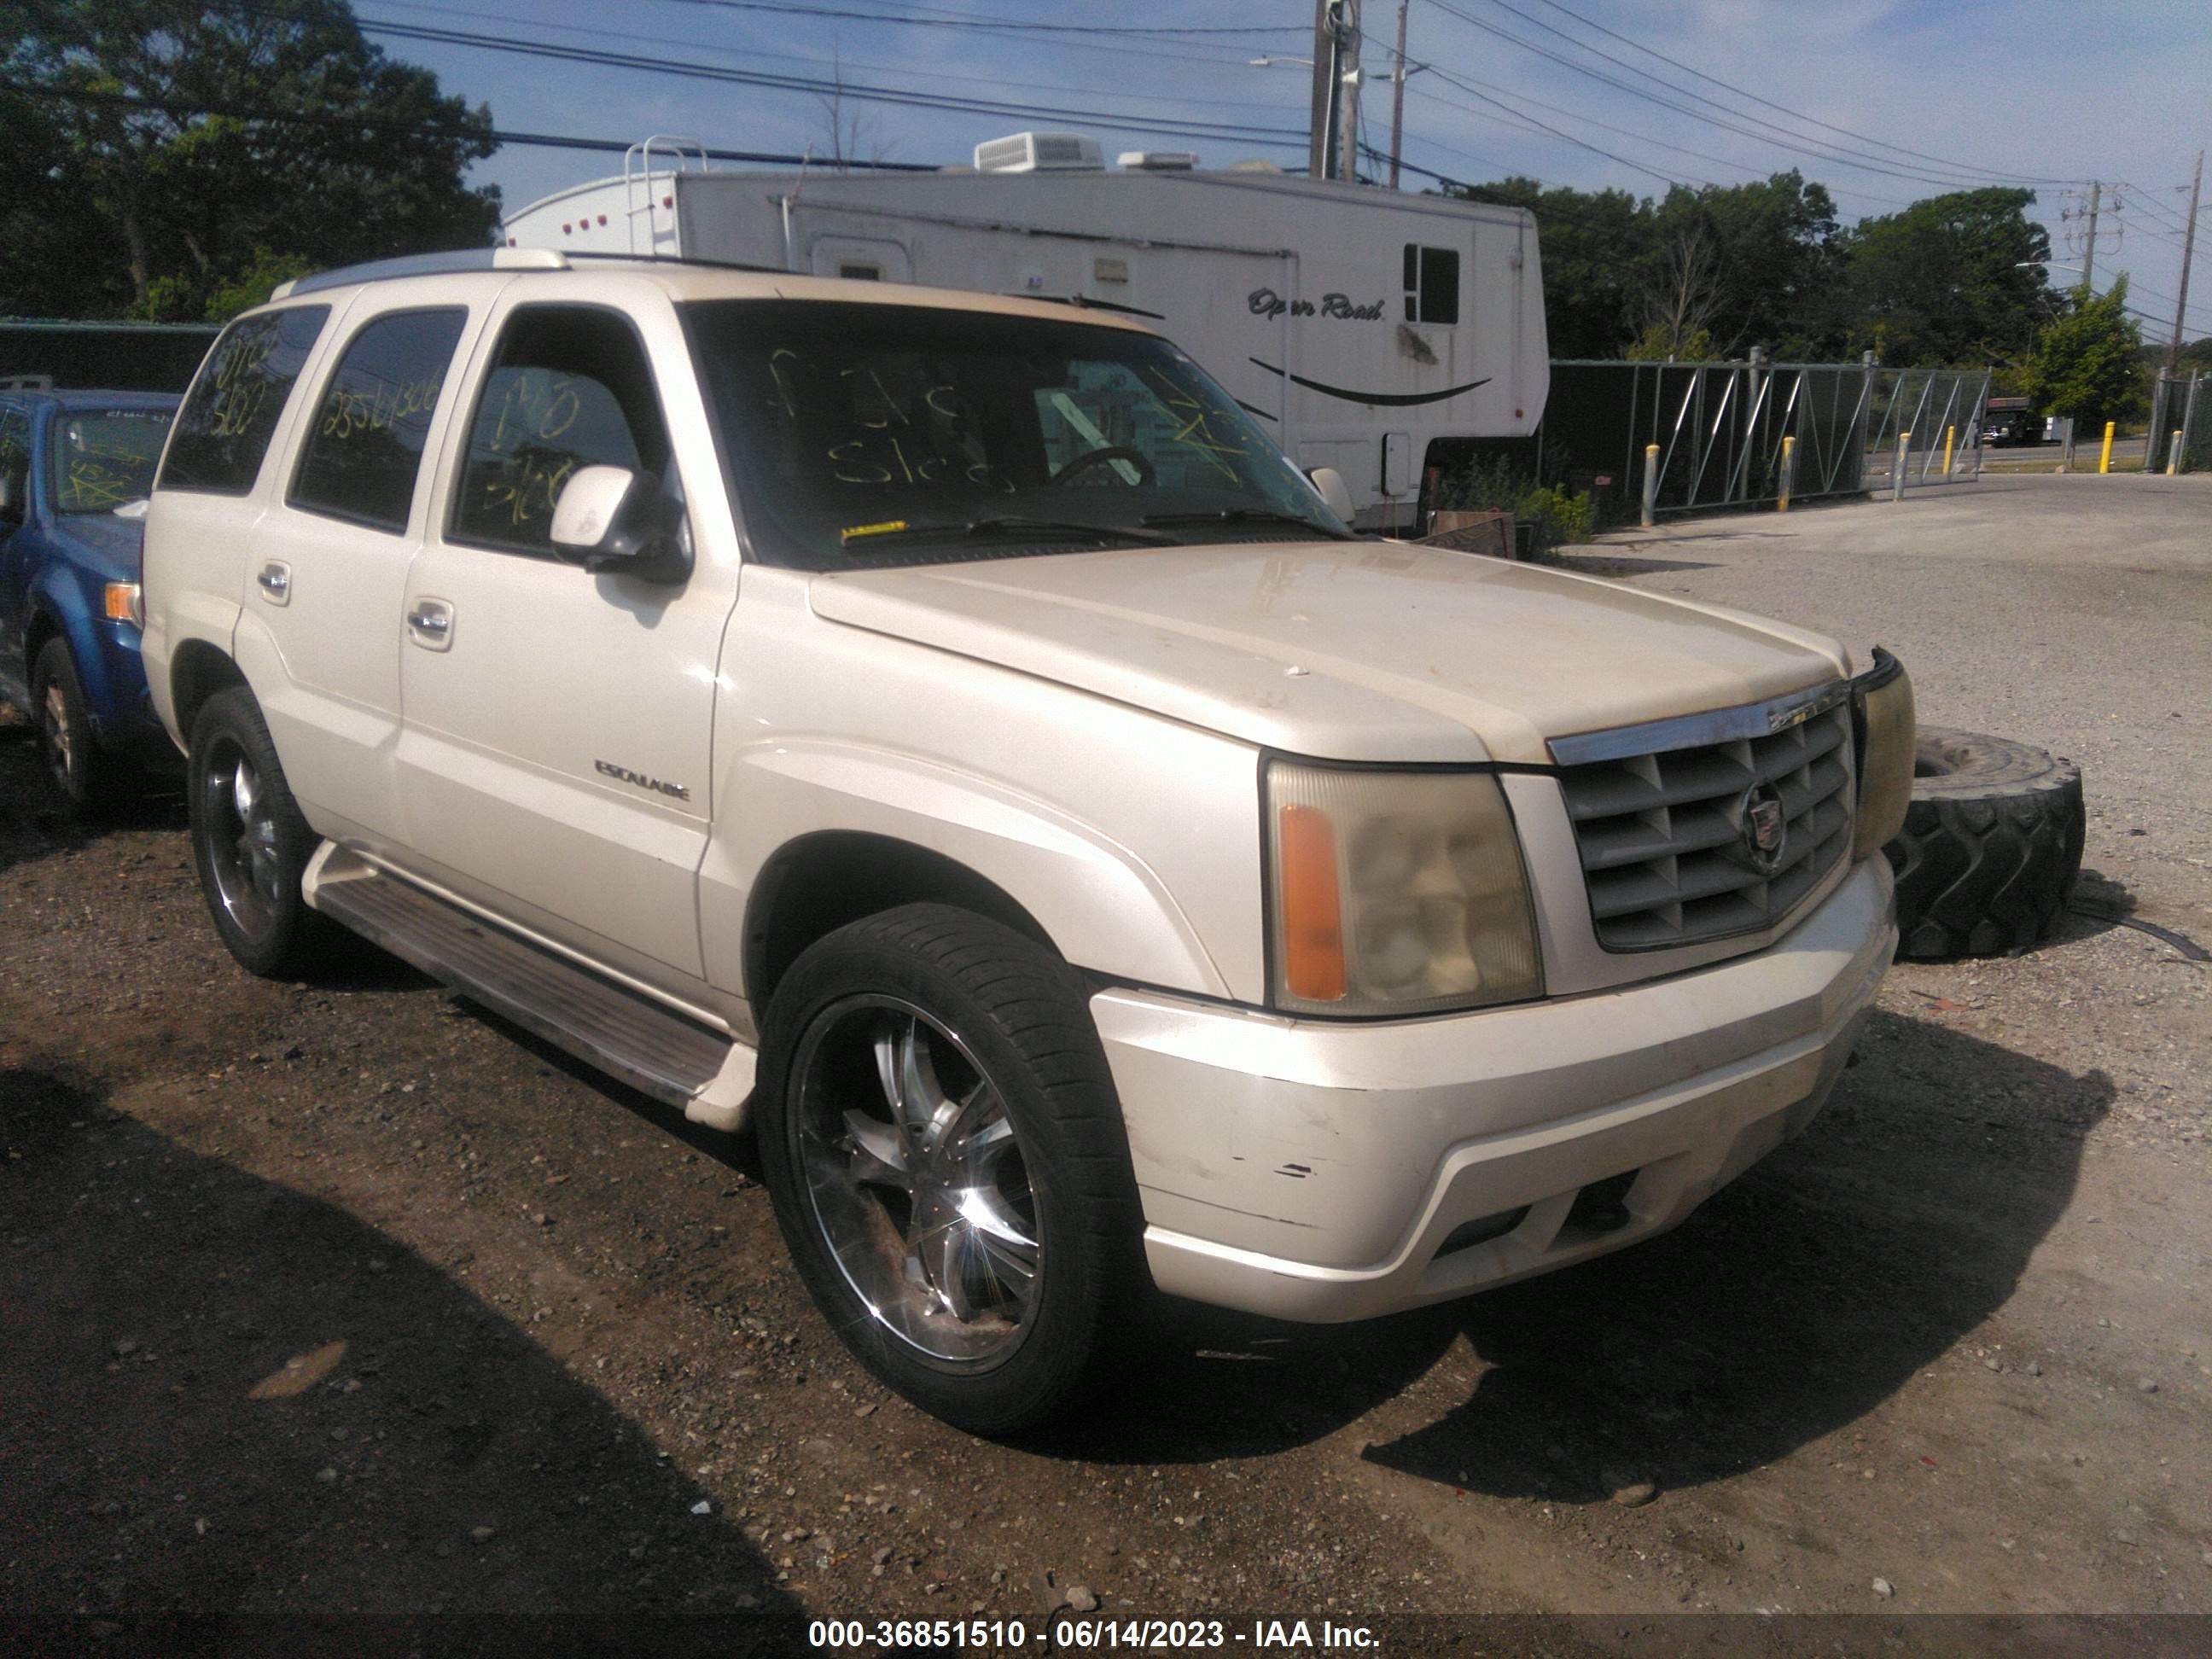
x: 1431, y: 284
x: 366, y: 447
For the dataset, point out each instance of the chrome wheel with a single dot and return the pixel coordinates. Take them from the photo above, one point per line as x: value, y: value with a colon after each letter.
x: 241, y: 840
x: 60, y: 733
x: 915, y: 1179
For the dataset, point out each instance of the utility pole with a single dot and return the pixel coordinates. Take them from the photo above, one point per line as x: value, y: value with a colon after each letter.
x: 2188, y: 248
x: 1398, y: 98
x: 2089, y: 258
x: 1321, y: 130
x: 1348, y: 86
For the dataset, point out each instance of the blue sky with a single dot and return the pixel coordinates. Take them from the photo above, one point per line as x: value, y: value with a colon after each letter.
x: 1983, y: 90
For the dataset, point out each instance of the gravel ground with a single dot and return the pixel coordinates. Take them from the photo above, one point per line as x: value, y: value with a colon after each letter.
x: 344, y: 1296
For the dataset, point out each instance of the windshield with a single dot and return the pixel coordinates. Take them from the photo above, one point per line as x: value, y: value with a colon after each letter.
x: 104, y: 458
x: 863, y: 434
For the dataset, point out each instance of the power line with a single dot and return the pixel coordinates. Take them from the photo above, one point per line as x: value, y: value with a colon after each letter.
x: 1835, y: 155
x: 1811, y: 120
x: 930, y: 17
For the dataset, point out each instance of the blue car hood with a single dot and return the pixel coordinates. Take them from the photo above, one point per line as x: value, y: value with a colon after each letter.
x: 103, y: 543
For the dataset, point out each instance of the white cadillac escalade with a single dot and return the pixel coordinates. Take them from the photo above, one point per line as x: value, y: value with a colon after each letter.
x: 946, y: 736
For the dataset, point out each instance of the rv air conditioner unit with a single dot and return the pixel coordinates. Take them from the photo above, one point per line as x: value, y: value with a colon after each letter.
x: 1040, y: 152
x: 1156, y: 161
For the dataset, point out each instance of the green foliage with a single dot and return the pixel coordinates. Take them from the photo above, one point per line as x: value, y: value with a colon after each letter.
x: 1658, y: 345
x: 1952, y: 279
x: 167, y: 146
x: 1493, y: 483
x: 1560, y: 515
x: 2089, y: 363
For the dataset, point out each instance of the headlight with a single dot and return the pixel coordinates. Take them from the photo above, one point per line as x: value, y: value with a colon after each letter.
x: 1395, y: 892
x: 1881, y: 711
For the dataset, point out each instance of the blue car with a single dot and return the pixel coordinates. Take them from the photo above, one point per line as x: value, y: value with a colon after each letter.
x: 69, y: 604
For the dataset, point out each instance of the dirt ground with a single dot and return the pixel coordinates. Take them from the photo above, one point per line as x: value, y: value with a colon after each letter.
x: 346, y: 1297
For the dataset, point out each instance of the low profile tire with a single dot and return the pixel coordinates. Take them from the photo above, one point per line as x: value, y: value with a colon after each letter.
x: 945, y: 1152
x: 250, y: 842
x: 1991, y: 844
x: 82, y: 781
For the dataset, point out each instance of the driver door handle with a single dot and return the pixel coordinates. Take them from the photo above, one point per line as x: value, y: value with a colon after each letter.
x: 430, y: 625
x: 275, y: 581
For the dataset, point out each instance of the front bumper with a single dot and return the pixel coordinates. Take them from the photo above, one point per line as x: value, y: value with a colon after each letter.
x: 1324, y: 1172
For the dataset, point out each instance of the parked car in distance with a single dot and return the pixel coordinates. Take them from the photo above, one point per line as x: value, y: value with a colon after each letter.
x: 2007, y: 420
x: 75, y: 468
x: 946, y: 736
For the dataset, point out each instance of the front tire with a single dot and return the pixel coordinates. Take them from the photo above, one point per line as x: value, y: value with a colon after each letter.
x: 80, y: 781
x: 250, y: 841
x: 944, y: 1148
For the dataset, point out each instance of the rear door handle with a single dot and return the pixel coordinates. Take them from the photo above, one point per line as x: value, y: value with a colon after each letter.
x: 430, y: 625
x: 276, y: 582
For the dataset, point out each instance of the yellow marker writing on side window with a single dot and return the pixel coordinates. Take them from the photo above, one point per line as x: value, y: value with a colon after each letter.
x: 852, y: 532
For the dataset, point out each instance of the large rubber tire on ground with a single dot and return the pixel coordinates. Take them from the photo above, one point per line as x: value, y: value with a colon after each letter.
x: 946, y: 1151
x: 82, y: 781
x: 251, y: 844
x: 1990, y: 847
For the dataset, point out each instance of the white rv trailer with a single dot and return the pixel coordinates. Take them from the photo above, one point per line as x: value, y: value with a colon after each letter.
x: 1363, y: 325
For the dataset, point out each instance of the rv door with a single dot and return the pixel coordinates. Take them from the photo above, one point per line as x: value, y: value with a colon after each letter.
x: 866, y: 258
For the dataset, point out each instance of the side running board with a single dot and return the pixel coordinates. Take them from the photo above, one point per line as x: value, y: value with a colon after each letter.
x: 648, y: 1046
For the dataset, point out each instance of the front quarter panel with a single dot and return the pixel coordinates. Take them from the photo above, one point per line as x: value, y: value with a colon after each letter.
x: 1133, y: 841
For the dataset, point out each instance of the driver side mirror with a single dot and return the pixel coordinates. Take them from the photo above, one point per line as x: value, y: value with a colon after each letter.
x: 1329, y: 484
x: 616, y: 522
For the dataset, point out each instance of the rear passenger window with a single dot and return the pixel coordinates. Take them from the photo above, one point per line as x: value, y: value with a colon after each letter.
x: 570, y: 388
x: 224, y: 429
x: 362, y: 455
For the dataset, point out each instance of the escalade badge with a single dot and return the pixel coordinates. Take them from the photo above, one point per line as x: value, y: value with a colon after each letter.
x: 608, y: 768
x: 1766, y: 827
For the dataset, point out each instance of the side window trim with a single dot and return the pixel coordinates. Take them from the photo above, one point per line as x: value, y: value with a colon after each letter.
x: 484, y: 363
x: 332, y: 364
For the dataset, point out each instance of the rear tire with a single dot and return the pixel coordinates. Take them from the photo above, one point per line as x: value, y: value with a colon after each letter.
x: 82, y: 780
x: 1991, y: 844
x: 250, y: 841
x: 944, y: 1148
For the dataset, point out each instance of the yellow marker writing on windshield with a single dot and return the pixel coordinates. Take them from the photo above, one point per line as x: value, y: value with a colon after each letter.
x: 852, y: 532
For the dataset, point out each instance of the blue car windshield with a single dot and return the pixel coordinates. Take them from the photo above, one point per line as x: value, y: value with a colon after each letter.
x: 104, y: 458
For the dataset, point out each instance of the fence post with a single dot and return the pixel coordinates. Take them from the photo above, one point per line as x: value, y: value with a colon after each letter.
x: 2104, y: 456
x: 1788, y: 471
x: 2189, y: 416
x: 1897, y: 471
x: 1650, y: 484
x: 2066, y: 424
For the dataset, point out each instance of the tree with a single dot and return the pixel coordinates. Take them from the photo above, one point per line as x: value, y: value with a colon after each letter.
x: 201, y: 146
x: 1590, y: 241
x: 1682, y: 291
x: 1952, y: 279
x: 2089, y: 363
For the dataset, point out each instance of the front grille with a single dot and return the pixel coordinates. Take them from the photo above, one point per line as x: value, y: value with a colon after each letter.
x: 1665, y: 851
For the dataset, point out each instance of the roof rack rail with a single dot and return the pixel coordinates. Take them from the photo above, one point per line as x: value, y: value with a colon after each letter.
x: 620, y: 258
x: 427, y: 265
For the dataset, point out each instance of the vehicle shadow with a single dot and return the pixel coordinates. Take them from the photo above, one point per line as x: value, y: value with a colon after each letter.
x: 1788, y: 1305
x: 1794, y: 1302
x: 228, y: 1400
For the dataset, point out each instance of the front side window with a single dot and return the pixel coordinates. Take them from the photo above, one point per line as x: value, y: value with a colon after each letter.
x: 15, y: 463
x: 231, y: 413
x: 104, y: 459
x: 1431, y: 284
x: 570, y: 388
x: 861, y: 433
x: 365, y: 449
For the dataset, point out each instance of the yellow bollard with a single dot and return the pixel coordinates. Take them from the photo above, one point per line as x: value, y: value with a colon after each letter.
x: 2104, y: 460
x: 1950, y: 434
x: 1788, y: 472
x: 2174, y: 455
x: 1650, y: 484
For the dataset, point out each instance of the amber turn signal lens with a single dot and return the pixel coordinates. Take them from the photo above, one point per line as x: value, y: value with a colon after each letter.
x: 1313, y: 923
x: 123, y: 603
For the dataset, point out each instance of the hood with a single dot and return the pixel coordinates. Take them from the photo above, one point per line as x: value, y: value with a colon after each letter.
x: 103, y: 543
x: 1373, y: 650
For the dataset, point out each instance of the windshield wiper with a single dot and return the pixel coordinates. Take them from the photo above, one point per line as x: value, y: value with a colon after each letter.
x: 1002, y: 525
x: 1252, y: 515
